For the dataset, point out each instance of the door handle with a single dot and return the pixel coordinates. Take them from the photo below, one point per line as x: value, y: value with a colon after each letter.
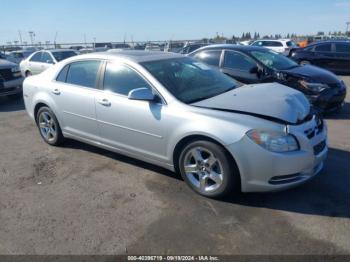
x: 56, y: 91
x: 104, y: 102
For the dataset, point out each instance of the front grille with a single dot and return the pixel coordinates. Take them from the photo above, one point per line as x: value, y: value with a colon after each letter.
x: 312, y: 132
x: 6, y: 75
x: 335, y: 85
x: 319, y: 147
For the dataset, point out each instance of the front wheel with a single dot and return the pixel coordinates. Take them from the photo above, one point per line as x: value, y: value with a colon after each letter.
x: 207, y: 169
x: 49, y: 127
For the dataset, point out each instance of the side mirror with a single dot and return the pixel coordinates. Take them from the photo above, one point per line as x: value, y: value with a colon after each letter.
x: 143, y: 94
x: 254, y: 70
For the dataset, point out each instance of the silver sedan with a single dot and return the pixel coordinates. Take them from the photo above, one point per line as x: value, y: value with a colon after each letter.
x: 178, y: 113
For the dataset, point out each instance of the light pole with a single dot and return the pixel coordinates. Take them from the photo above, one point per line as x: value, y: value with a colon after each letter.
x: 347, y: 27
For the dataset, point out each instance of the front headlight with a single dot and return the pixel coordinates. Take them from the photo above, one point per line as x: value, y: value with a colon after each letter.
x: 274, y: 141
x: 314, y: 87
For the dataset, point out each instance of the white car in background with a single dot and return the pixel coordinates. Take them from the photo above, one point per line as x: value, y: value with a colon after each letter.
x: 39, y: 61
x: 283, y: 46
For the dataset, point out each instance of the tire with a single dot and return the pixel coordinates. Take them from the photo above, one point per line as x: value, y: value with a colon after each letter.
x: 28, y: 73
x: 208, y: 170
x: 304, y: 62
x: 49, y: 127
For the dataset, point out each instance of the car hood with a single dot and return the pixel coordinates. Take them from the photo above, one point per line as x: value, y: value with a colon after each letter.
x: 271, y: 101
x: 4, y: 64
x: 313, y: 73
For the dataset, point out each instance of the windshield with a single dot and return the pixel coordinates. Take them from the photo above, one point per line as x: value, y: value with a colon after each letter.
x: 61, y: 55
x: 189, y: 80
x: 274, y: 60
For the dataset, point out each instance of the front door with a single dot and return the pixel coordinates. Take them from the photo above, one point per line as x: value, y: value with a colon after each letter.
x: 130, y: 125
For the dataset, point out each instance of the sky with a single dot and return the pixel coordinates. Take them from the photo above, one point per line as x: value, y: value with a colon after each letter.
x: 146, y: 20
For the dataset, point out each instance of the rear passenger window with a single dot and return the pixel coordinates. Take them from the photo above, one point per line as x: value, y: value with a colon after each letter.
x: 83, y: 73
x: 273, y: 44
x: 209, y: 57
x: 342, y: 48
x: 121, y: 79
x: 323, y: 48
x: 63, y: 74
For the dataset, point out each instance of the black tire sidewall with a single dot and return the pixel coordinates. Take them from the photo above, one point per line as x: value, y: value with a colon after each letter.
x: 59, y: 138
x: 229, y: 180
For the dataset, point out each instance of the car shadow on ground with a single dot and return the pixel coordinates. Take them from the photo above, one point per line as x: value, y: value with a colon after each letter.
x: 343, y: 113
x: 327, y: 194
x: 9, y: 105
x: 115, y: 156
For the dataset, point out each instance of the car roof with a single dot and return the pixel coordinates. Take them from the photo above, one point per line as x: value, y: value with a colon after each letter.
x: 231, y: 47
x: 270, y: 40
x: 330, y: 42
x: 138, y: 56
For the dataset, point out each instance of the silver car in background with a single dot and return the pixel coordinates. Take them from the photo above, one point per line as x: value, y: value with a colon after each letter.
x: 178, y: 113
x: 39, y: 61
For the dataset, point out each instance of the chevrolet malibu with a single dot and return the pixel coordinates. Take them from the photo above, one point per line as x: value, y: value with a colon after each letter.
x: 183, y: 115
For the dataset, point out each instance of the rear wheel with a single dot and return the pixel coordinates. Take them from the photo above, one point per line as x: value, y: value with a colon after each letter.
x: 49, y: 127
x: 207, y: 169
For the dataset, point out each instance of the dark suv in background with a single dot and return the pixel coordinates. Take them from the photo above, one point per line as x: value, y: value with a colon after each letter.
x: 331, y: 55
x: 10, y: 79
x: 250, y: 65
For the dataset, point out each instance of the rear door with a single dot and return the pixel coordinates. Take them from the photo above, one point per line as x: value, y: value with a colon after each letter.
x: 276, y: 46
x: 46, y: 61
x: 74, y: 92
x: 240, y: 67
x: 342, y: 55
x: 324, y: 56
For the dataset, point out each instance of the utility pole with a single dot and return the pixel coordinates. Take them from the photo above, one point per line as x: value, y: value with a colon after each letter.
x: 20, y: 37
x: 32, y: 37
x: 54, y: 41
x: 347, y: 27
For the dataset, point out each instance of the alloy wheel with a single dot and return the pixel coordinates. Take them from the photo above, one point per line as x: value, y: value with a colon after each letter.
x: 203, y: 169
x: 47, y: 125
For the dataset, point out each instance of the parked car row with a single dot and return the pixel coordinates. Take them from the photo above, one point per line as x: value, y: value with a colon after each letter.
x: 186, y: 115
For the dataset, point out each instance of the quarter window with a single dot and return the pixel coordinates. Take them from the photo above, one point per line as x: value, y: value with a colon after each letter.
x: 36, y: 57
x: 63, y: 74
x: 209, y: 57
x: 121, y: 79
x: 237, y: 61
x: 83, y: 73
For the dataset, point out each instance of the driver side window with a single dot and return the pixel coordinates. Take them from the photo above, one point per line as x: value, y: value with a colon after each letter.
x: 121, y: 79
x: 238, y: 61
